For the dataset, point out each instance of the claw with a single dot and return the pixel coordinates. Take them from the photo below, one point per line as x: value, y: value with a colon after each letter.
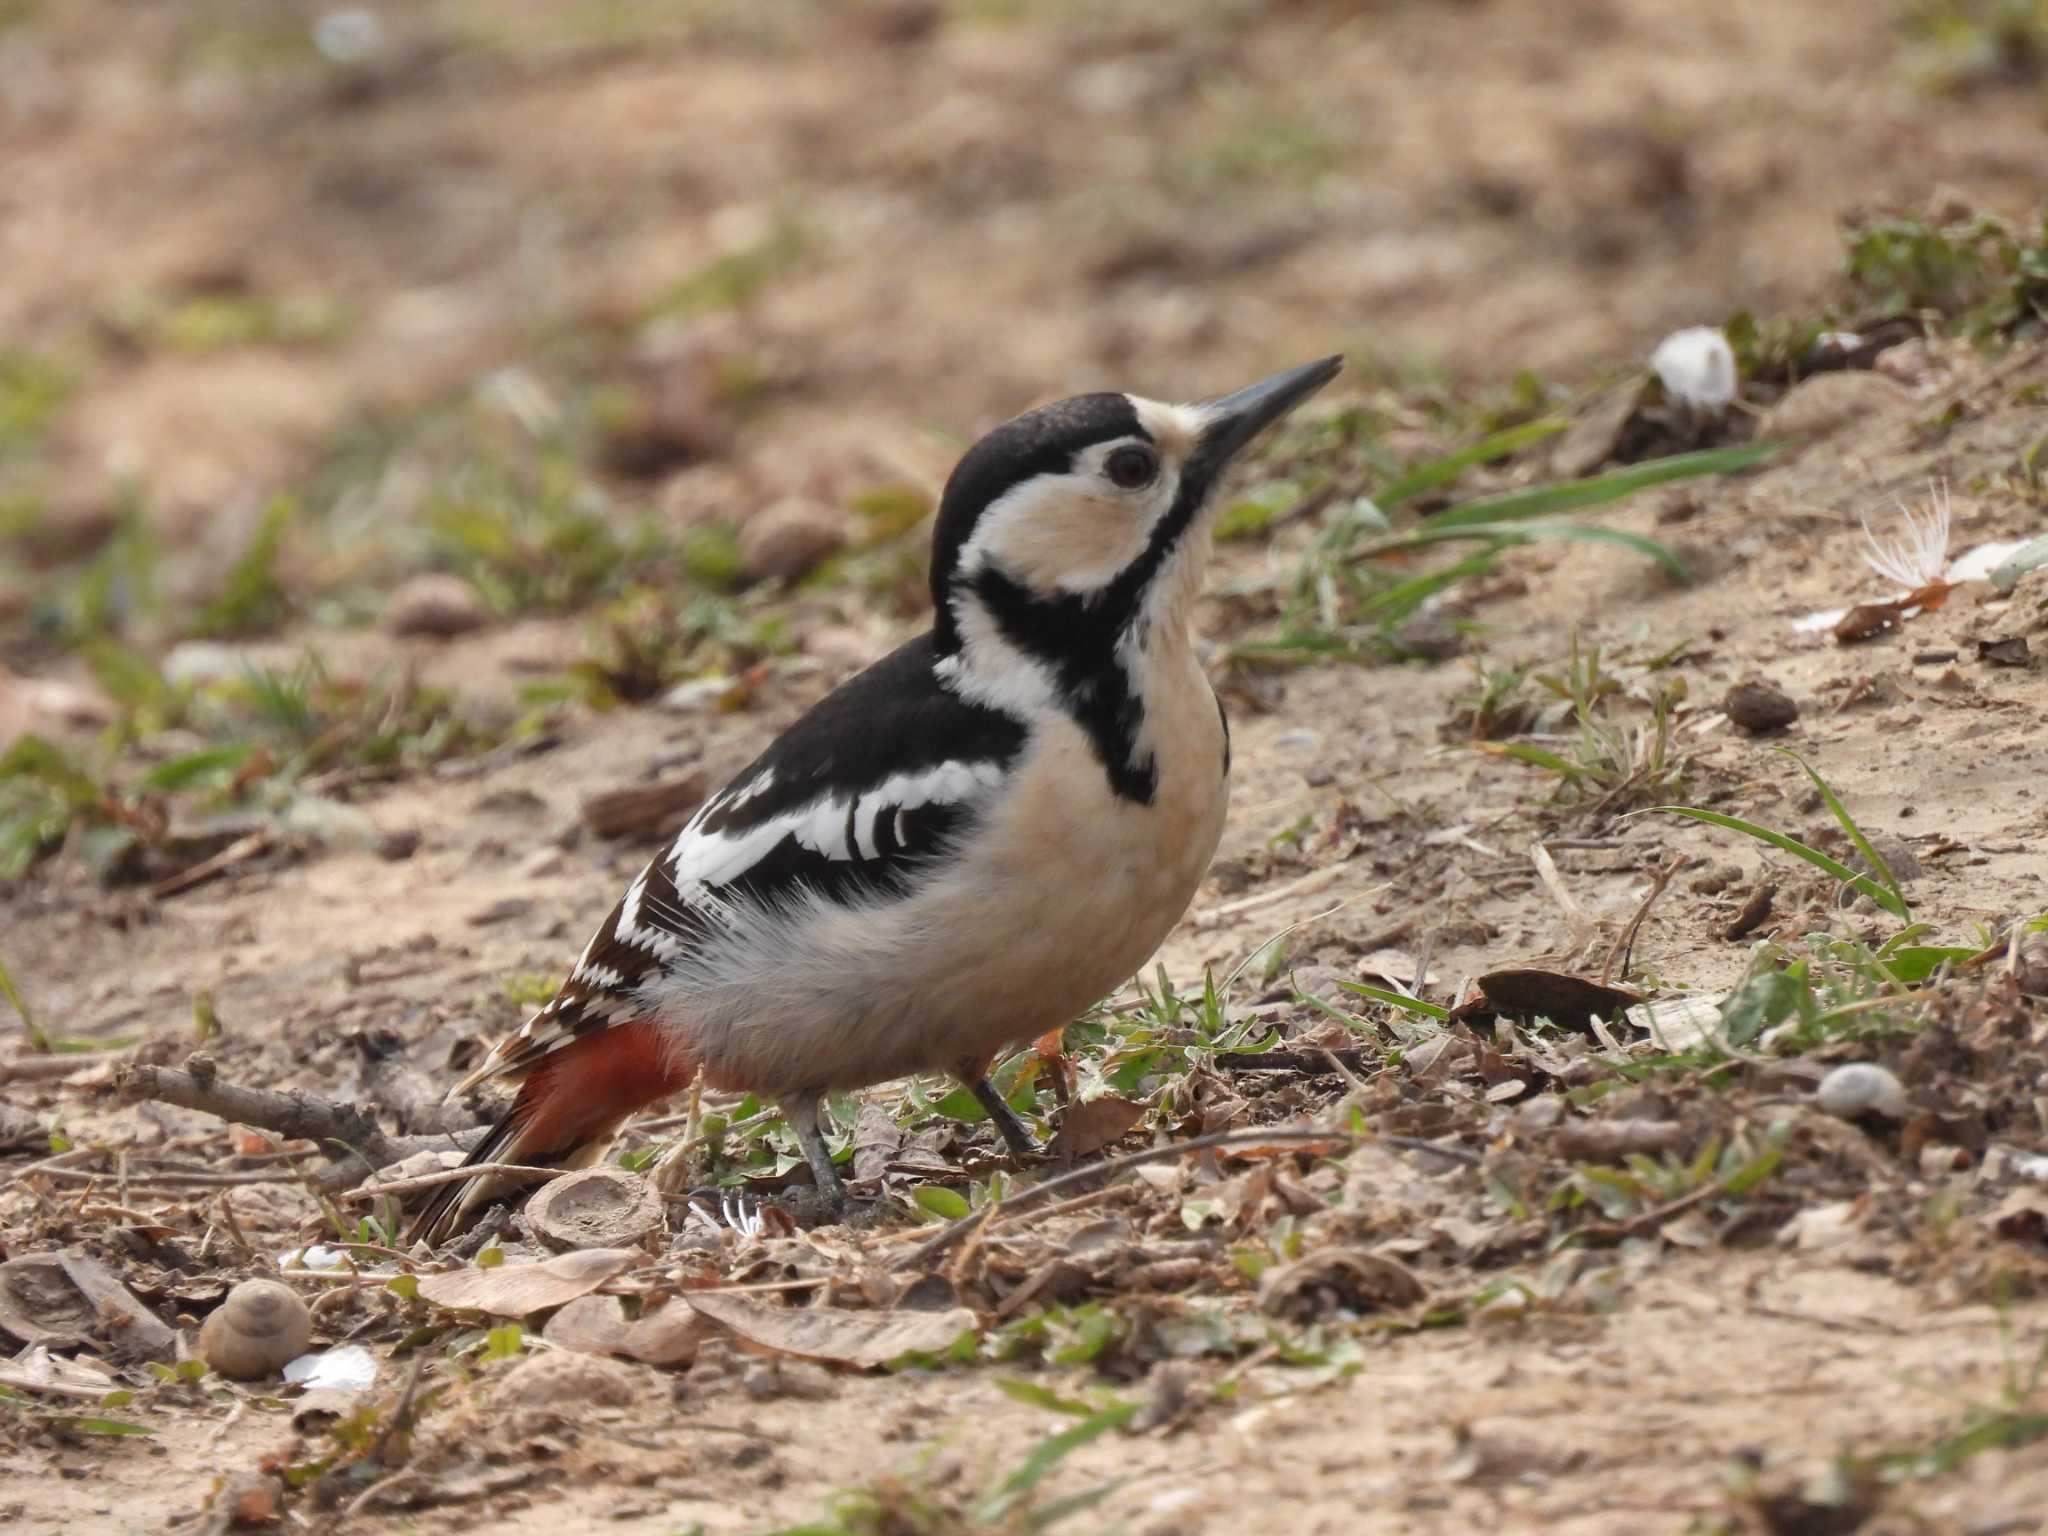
x: 737, y: 1211
x: 743, y: 1218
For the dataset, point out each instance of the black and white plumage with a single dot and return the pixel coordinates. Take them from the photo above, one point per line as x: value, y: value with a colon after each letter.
x: 959, y: 849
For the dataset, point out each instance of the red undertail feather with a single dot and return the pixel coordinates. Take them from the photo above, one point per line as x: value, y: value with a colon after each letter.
x: 569, y: 1106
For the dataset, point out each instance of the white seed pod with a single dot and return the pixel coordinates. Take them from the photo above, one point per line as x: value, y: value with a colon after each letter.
x: 1697, y: 368
x: 261, y: 1326
x: 1861, y: 1088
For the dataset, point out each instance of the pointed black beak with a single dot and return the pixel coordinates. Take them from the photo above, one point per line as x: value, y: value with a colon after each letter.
x: 1234, y: 420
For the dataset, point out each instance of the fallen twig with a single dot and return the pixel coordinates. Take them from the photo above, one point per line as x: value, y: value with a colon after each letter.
x: 1611, y: 1140
x: 239, y: 851
x: 1311, y: 1063
x: 39, y: 1068
x: 1643, y: 1223
x: 451, y: 1176
x: 1304, y: 1135
x: 348, y: 1127
x: 1622, y: 950
x: 157, y: 1179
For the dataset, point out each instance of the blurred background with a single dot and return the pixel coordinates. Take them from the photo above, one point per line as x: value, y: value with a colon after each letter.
x: 302, y: 301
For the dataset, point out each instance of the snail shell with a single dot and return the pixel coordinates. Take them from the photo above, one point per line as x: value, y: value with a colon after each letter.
x: 252, y: 1334
x: 1862, y: 1088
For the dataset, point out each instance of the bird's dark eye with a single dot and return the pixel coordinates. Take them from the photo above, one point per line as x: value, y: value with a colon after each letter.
x: 1131, y: 468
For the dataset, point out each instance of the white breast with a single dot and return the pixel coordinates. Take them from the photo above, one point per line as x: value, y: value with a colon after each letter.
x: 1063, y: 893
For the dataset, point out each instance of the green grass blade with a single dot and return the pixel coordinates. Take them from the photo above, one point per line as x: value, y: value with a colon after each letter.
x: 1052, y: 1512
x: 1599, y: 490
x: 1863, y: 845
x: 1914, y: 963
x: 1530, y: 533
x: 210, y: 763
x: 99, y: 1426
x: 1431, y: 474
x: 1399, y: 1000
x: 1392, y: 604
x: 1047, y: 1454
x: 1297, y: 646
x: 1541, y: 757
x: 38, y: 1041
x: 1889, y: 900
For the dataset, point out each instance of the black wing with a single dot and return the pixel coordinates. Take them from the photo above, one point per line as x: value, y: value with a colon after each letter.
x: 848, y: 802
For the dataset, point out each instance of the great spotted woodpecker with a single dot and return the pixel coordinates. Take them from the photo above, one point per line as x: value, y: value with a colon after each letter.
x: 959, y: 849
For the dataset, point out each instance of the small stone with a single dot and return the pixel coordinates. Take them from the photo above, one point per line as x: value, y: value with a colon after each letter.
x: 788, y: 538
x: 1760, y: 707
x: 840, y: 646
x: 2030, y: 966
x: 399, y: 844
x: 1429, y: 637
x: 437, y: 605
x: 1715, y: 879
x: 195, y: 663
x: 771, y: 1379
x: 1827, y: 402
x: 542, y: 864
x: 502, y: 910
x: 252, y: 1501
x: 1861, y: 1088
x: 557, y: 1390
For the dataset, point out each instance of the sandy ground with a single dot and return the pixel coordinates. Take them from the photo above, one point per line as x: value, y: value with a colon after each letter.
x: 957, y: 215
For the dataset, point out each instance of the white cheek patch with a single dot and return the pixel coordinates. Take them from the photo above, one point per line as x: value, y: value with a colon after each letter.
x: 1068, y: 533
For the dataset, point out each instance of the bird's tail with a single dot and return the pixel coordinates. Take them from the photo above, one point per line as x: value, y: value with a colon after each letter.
x: 570, y: 1105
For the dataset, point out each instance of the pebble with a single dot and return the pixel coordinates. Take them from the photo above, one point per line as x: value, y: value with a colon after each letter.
x: 1861, y: 1088
x: 435, y: 604
x: 1760, y: 707
x: 789, y: 538
x: 1824, y: 404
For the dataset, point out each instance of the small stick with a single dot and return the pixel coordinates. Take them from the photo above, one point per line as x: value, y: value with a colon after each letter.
x: 1311, y: 1063
x: 1623, y: 947
x: 449, y: 1176
x: 163, y: 1179
x: 294, y: 1115
x: 241, y: 849
x: 60, y: 1160
x: 1645, y: 1222
x: 1266, y: 1136
x: 39, y: 1069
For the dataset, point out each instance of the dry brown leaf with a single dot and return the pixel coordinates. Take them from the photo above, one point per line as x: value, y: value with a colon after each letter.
x: 877, y: 1139
x: 519, y: 1290
x: 1564, y: 999
x: 847, y: 1338
x: 597, y: 1325
x: 1087, y: 1128
x: 2021, y: 1217
x: 65, y: 1300
x: 1329, y: 1278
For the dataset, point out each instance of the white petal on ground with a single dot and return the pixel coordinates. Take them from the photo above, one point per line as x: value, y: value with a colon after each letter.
x: 1697, y: 366
x: 1919, y: 555
x: 351, y: 1368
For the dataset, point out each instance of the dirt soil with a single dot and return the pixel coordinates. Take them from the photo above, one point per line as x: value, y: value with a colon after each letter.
x: 900, y: 222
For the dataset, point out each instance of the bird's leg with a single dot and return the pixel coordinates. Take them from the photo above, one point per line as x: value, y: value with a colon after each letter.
x: 1019, y: 1139
x: 801, y: 1111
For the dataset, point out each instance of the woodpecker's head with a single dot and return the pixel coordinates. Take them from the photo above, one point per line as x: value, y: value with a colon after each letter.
x: 1070, y: 527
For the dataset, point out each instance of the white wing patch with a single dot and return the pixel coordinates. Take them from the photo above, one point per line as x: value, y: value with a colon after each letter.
x: 608, y: 978
x: 837, y: 826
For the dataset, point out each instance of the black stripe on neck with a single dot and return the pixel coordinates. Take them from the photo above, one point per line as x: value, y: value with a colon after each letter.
x: 1077, y: 639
